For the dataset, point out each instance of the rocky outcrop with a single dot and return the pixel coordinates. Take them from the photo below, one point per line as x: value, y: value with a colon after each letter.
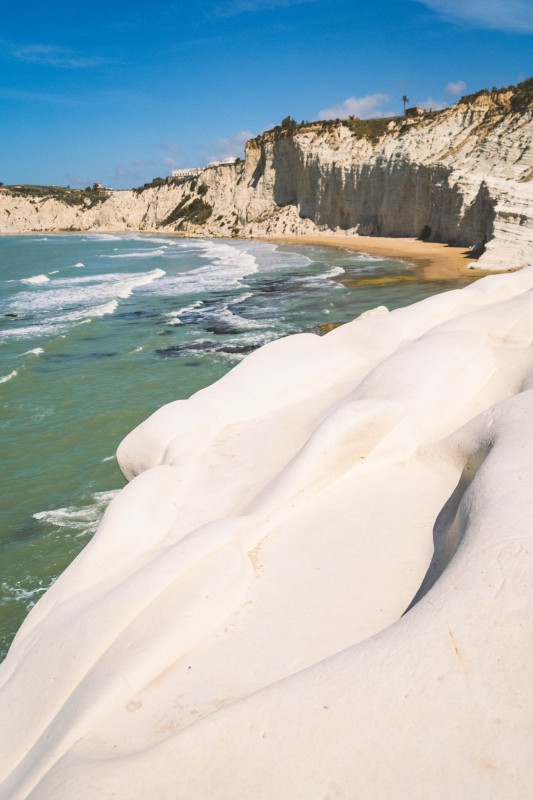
x: 461, y: 176
x: 318, y: 583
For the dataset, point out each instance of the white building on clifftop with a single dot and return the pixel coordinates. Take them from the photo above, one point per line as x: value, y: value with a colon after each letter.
x: 191, y: 172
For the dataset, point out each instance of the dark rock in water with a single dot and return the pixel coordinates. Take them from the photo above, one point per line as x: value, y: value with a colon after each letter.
x: 272, y: 286
x: 183, y: 350
x: 137, y: 314
x: 221, y: 328
x: 11, y: 315
x: 60, y: 357
x: 238, y: 349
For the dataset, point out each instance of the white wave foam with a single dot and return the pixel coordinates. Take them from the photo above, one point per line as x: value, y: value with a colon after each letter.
x: 26, y: 591
x: 37, y: 351
x: 79, y: 264
x: 226, y: 315
x: 332, y: 273
x: 80, y: 519
x: 275, y: 259
x: 6, y: 378
x: 86, y: 314
x: 152, y: 239
x: 368, y: 257
x: 137, y: 254
x: 102, y: 237
x: 36, y: 279
x: 75, y: 300
x: 53, y: 272
x: 228, y: 265
x: 175, y: 316
x: 30, y: 332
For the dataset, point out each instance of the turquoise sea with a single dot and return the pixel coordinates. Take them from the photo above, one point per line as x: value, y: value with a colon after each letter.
x: 99, y: 330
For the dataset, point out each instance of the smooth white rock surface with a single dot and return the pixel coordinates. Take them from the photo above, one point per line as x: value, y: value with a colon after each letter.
x: 237, y: 629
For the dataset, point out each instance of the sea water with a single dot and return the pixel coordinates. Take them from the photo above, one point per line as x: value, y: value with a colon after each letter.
x: 97, y: 331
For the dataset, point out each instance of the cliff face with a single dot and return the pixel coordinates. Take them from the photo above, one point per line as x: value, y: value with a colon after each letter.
x: 463, y: 176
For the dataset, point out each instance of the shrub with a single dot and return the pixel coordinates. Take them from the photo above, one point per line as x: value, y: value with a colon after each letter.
x: 196, y: 211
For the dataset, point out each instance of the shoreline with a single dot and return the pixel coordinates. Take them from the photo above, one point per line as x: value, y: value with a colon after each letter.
x: 433, y: 261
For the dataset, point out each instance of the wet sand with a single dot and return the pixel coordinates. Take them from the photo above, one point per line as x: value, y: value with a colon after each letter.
x: 433, y: 261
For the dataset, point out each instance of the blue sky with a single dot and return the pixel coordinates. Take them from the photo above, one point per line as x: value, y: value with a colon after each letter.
x: 122, y: 92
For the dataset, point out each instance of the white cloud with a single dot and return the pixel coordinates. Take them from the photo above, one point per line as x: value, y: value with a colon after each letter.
x: 232, y: 147
x: 168, y: 161
x: 362, y: 107
x: 233, y: 7
x: 55, y: 56
x: 454, y: 89
x: 504, y: 15
x: 169, y: 147
x: 432, y: 105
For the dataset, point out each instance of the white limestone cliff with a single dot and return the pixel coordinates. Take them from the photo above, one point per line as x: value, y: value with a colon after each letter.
x: 464, y: 174
x: 237, y: 627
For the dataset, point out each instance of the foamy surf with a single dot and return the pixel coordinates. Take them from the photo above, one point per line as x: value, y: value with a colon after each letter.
x: 36, y: 351
x: 36, y: 279
x: 79, y: 519
x: 26, y: 591
x: 7, y: 378
x: 174, y: 317
x: 138, y: 254
x: 227, y: 267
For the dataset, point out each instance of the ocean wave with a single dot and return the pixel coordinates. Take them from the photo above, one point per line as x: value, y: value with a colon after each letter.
x: 30, y: 331
x: 27, y: 590
x: 86, y: 314
x: 36, y: 351
x: 79, y: 519
x: 6, y: 378
x: 227, y: 266
x: 79, y: 264
x: 85, y: 291
x: 174, y: 317
x: 160, y: 251
x: 36, y: 279
x: 152, y: 239
x: 102, y: 237
x: 74, y: 300
x: 227, y: 317
x: 273, y: 259
x: 332, y: 273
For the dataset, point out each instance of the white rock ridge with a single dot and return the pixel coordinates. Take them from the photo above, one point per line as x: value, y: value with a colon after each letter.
x: 463, y: 175
x: 237, y: 629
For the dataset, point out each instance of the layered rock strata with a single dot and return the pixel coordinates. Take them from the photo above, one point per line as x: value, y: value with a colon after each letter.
x: 462, y: 176
x: 317, y: 584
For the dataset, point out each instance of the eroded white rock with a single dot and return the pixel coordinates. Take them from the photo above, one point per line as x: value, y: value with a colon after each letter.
x: 237, y: 629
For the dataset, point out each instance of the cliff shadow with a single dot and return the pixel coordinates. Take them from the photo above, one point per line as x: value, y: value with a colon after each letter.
x: 479, y: 217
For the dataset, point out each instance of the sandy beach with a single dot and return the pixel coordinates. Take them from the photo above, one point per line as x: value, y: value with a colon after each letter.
x: 434, y: 261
